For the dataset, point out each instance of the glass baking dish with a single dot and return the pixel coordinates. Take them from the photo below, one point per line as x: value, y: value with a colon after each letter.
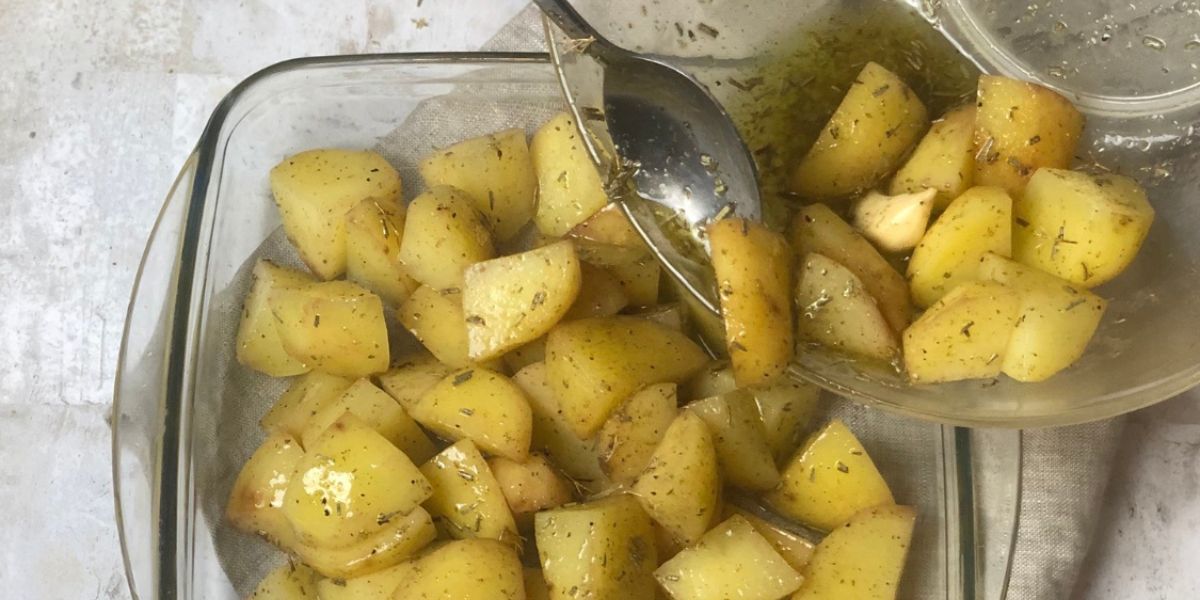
x: 182, y: 430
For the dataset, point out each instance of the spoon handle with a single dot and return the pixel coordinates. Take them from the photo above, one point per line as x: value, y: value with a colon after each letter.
x: 570, y: 21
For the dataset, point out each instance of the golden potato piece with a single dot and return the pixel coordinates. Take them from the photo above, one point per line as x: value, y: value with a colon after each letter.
x: 740, y: 438
x: 635, y: 268
x: 552, y: 433
x: 482, y: 406
x: 287, y: 582
x: 412, y: 377
x: 336, y: 327
x: 965, y: 335
x: 443, y: 235
x: 376, y: 586
x: 475, y: 569
x: 600, y: 294
x: 305, y: 396
x: 681, y: 486
x: 467, y: 499
x: 977, y: 222
x: 731, y: 561
x: 609, y: 225
x: 786, y: 409
x: 863, y: 558
x: 377, y: 409
x: 436, y: 318
x: 628, y: 438
x: 795, y: 549
x: 397, y: 539
x: 256, y: 502
x: 373, y: 231
x: 600, y: 549
x: 531, y: 486
x: 258, y: 343
x: 944, y: 160
x: 836, y: 311
x: 569, y: 186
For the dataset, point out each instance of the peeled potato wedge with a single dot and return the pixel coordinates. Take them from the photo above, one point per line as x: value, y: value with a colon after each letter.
x: 965, y: 335
x: 835, y: 310
x: 258, y: 343
x: 467, y: 499
x: 862, y: 559
x: 944, y: 160
x: 600, y: 549
x: 475, y: 569
x: 740, y: 439
x: 731, y: 561
x: 975, y: 223
x: 681, y: 486
x: 335, y: 326
x: 628, y: 438
x: 377, y: 409
x: 569, y: 186
x: 552, y: 434
x: 256, y: 502
x: 443, y: 235
x: 287, y: 582
x: 482, y: 406
x: 305, y: 396
x: 373, y: 231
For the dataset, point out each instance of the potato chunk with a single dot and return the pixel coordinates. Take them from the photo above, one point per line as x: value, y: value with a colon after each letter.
x: 304, y: 397
x: 786, y: 408
x: 603, y: 549
x: 818, y: 229
x: 600, y: 294
x: 1021, y: 127
x: 529, y: 487
x: 443, y: 235
x: 515, y: 299
x: 964, y: 336
x: 862, y: 559
x: 258, y: 343
x: 495, y: 171
x: 437, y: 319
x: 836, y: 311
x: 336, y: 327
x: 377, y: 409
x: 628, y: 438
x: 681, y: 485
x: 977, y: 222
x: 412, y: 377
x: 476, y: 569
x: 287, y: 582
x: 635, y: 268
x: 315, y: 189
x: 552, y: 433
x: 482, y: 406
x: 594, y: 364
x: 256, y: 501
x: 467, y: 499
x: 795, y: 549
x: 740, y: 439
x: 396, y: 539
x: 1079, y: 227
x: 1056, y: 323
x: 753, y: 270
x: 865, y: 139
x: 373, y: 231
x: 944, y: 160
x: 894, y: 223
x: 731, y: 561
x: 609, y: 225
x: 569, y: 186
x: 829, y: 479
x: 375, y: 586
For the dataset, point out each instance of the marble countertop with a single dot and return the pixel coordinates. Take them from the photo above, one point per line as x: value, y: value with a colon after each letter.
x: 100, y: 102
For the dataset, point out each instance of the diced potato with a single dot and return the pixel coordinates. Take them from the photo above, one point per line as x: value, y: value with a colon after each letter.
x: 731, y: 561
x: 944, y: 160
x: 964, y: 336
x: 530, y: 486
x: 1056, y: 322
x: 894, y: 223
x: 818, y: 229
x: 373, y: 230
x: 482, y: 406
x: 436, y: 318
x: 467, y: 499
x: 862, y: 559
x: 740, y: 439
x: 336, y: 327
x: 348, y: 482
x: 495, y: 171
x: 795, y: 549
x: 628, y: 438
x: 1082, y: 228
x: 594, y: 364
x: 866, y: 138
x: 681, y: 486
x: 600, y: 294
x: 304, y: 397
x: 522, y: 356
x: 412, y: 377
x: 375, y: 586
x: 1021, y: 127
x: 835, y: 310
x: 829, y: 479
x: 378, y: 410
x: 315, y: 189
x: 569, y: 186
x: 634, y: 267
x: 975, y: 223
x: 668, y: 315
x: 600, y: 549
x: 536, y: 587
x: 552, y: 434
x: 786, y: 408
x: 609, y: 225
x: 396, y: 539
x: 752, y: 265
x: 258, y: 343
x: 289, y: 581
x: 714, y: 380
x: 256, y: 501
x: 516, y: 299
x: 475, y: 569
x: 443, y: 235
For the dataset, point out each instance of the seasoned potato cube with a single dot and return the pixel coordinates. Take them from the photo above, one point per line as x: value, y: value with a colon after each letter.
x: 522, y: 356
x: 600, y: 294
x: 475, y: 569
x: 1056, y: 322
x: 482, y: 406
x: 731, y: 561
x: 715, y: 379
x: 436, y: 318
x: 443, y: 235
x: 530, y: 486
x: 336, y: 327
x: 376, y: 586
x: 862, y: 559
x: 609, y: 225
x: 668, y: 315
x: 753, y: 271
x: 866, y: 138
x: 829, y: 479
x: 396, y: 539
x: 1021, y: 127
x: 378, y: 410
x: 304, y: 397
x: 634, y: 267
x: 594, y: 364
x: 602, y: 549
x: 349, y: 481
x: 569, y: 186
x: 681, y: 486
x: 287, y: 582
x: 467, y: 500
x: 628, y: 438
x: 818, y: 229
x: 258, y: 343
x: 894, y: 223
x: 740, y: 439
x: 795, y: 549
x: 786, y: 408
x: 412, y: 377
x: 256, y: 501
x: 516, y: 299
x: 552, y: 434
x: 1082, y: 228
x: 964, y: 336
x: 495, y: 171
x: 315, y: 189
x: 836, y: 310
x: 977, y: 222
x: 373, y: 231
x: 944, y: 160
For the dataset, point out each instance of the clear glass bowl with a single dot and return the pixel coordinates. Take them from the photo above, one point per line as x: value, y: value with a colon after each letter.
x: 183, y: 424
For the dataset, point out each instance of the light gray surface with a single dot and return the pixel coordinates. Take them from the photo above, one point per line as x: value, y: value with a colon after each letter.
x: 100, y: 103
